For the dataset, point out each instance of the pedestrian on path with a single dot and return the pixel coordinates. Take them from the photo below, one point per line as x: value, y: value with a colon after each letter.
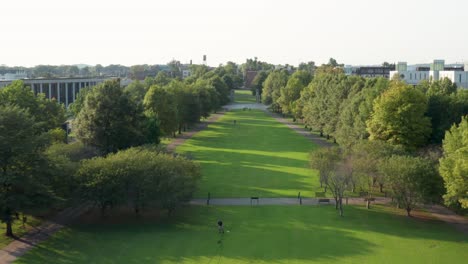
x: 220, y: 227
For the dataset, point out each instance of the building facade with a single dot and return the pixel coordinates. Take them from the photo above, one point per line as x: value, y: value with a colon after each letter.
x: 436, y: 71
x: 369, y: 71
x: 64, y: 90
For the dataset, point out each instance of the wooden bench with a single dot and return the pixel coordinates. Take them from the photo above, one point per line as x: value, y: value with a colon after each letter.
x: 253, y: 198
x: 324, y: 200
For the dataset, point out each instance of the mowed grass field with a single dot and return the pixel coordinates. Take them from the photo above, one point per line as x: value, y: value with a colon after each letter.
x: 244, y: 97
x: 257, y: 234
x: 256, y: 156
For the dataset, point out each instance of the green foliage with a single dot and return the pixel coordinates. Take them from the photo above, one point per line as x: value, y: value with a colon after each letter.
x: 398, y: 117
x: 323, y: 98
x: 161, y: 103
x: 272, y: 87
x: 257, y: 82
x: 292, y: 92
x: 78, y: 104
x: 412, y: 180
x: 136, y: 90
x: 110, y: 120
x: 356, y: 110
x: 139, y: 176
x: 57, y: 135
x: 24, y: 183
x: 47, y: 113
x: 325, y: 161
x: 454, y: 165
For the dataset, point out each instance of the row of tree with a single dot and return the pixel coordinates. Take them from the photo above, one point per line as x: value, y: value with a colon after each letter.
x: 107, y: 164
x: 352, y: 109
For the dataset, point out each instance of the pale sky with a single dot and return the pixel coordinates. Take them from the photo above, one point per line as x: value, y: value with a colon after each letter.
x: 277, y: 31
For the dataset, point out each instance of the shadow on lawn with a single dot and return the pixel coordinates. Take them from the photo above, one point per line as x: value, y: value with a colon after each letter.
x: 142, y: 245
x: 257, y: 234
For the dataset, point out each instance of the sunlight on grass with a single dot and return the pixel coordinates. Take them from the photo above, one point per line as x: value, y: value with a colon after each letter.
x: 256, y: 156
x: 258, y: 234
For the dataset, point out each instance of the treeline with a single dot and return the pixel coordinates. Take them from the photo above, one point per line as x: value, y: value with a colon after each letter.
x: 116, y: 160
x: 352, y: 109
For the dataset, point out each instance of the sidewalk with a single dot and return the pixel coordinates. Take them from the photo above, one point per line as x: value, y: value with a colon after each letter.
x: 22, y: 245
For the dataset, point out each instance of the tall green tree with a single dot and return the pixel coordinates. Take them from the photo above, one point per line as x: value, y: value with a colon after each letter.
x: 454, y: 165
x: 292, y: 92
x: 141, y: 177
x: 356, y: 110
x: 412, y: 180
x: 161, y: 103
x: 110, y: 120
x: 23, y: 183
x: 399, y: 116
x: 48, y: 114
x: 272, y: 85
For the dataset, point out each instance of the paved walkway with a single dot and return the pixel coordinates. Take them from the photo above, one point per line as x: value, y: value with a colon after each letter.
x: 443, y: 214
x: 280, y: 201
x: 20, y: 246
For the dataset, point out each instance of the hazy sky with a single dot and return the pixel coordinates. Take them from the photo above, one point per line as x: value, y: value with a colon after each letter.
x: 278, y: 31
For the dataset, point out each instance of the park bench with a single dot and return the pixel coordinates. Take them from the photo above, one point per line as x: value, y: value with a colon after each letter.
x: 323, y: 200
x: 253, y: 198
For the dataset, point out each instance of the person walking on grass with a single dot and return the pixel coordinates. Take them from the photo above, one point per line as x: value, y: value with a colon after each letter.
x: 220, y: 227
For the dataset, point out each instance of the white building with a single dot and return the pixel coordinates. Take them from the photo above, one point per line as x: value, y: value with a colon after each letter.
x: 186, y: 73
x: 13, y: 76
x: 437, y: 71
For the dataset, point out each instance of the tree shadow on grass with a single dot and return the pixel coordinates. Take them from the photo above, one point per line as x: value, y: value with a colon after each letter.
x: 194, y: 240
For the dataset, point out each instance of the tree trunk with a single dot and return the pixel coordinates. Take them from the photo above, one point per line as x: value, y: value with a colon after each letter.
x: 328, y: 136
x: 9, y: 229
x: 408, y: 211
x: 368, y: 204
x: 381, y: 187
x: 336, y: 203
x: 321, y: 133
x: 341, y: 207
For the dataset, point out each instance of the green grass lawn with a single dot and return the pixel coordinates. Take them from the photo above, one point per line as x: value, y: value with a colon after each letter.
x: 257, y: 156
x: 244, y: 97
x: 258, y: 234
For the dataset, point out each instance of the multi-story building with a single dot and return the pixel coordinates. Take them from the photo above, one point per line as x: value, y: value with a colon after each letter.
x: 437, y: 70
x: 369, y: 71
x: 64, y: 90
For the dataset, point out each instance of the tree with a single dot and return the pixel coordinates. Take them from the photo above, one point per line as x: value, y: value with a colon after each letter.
x: 110, y: 120
x: 324, y: 160
x: 356, y: 110
x: 162, y: 78
x: 336, y: 171
x: 23, y: 183
x: 161, y: 103
x: 368, y: 157
x: 292, y: 92
x: 138, y: 176
x: 257, y: 82
x: 48, y: 114
x: 454, y: 165
x: 272, y: 86
x: 78, y: 104
x: 411, y: 180
x: 136, y: 90
x: 398, y: 116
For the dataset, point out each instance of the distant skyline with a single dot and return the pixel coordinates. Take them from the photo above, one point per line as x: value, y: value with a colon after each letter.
x: 359, y: 32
